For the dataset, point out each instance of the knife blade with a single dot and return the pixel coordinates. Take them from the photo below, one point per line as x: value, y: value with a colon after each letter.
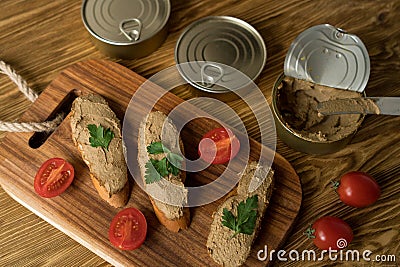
x: 362, y: 105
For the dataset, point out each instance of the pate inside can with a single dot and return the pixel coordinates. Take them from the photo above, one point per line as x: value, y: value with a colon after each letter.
x: 297, y: 102
x: 297, y: 120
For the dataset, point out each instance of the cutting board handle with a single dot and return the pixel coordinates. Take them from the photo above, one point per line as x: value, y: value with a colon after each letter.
x: 64, y: 107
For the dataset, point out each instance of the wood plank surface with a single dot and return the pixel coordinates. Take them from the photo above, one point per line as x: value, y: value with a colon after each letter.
x: 40, y: 38
x: 83, y: 215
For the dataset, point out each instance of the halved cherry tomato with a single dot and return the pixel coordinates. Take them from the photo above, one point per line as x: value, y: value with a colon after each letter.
x: 357, y: 189
x: 53, y: 177
x: 128, y: 229
x: 330, y: 233
x: 218, y: 146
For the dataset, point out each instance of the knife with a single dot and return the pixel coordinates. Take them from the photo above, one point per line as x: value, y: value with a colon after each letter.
x: 361, y: 105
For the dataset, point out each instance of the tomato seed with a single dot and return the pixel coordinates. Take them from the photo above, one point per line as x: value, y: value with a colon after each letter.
x: 135, y: 225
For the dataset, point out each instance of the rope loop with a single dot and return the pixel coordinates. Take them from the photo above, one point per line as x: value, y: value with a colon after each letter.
x: 32, y: 96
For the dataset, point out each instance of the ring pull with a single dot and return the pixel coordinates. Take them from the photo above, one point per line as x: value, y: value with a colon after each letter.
x: 339, y: 34
x: 208, y: 80
x: 131, y: 28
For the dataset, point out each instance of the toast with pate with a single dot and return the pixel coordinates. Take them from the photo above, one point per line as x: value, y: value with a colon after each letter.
x: 225, y: 246
x: 166, y: 192
x: 107, y: 164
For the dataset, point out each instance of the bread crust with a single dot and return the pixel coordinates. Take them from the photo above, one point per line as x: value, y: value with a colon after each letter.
x: 116, y: 200
x: 172, y: 225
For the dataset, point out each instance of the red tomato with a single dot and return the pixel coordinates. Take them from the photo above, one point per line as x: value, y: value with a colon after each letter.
x: 330, y: 233
x: 357, y: 189
x: 218, y: 146
x: 53, y: 177
x: 128, y: 229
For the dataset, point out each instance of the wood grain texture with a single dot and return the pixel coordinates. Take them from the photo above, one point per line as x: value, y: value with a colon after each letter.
x: 83, y: 215
x: 40, y: 38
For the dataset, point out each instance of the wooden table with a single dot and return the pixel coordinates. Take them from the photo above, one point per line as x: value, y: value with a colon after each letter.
x: 40, y: 38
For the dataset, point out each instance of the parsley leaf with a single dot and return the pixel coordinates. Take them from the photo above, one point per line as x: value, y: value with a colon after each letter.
x: 151, y: 175
x: 170, y: 164
x: 157, y: 148
x: 228, y: 219
x: 161, y: 166
x: 174, y: 163
x: 100, y: 137
x: 248, y: 226
x: 245, y: 222
x: 175, y: 159
x: 173, y: 169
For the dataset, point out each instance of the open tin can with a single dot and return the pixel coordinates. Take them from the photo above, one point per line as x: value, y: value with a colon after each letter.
x: 214, y: 42
x: 326, y: 56
x: 296, y: 140
x: 126, y: 29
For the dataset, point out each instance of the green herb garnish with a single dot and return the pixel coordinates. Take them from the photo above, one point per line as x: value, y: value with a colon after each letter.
x: 310, y: 232
x: 156, y: 148
x: 100, y: 137
x: 245, y: 222
x: 156, y: 169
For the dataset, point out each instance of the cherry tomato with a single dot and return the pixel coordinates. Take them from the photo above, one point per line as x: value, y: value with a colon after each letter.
x: 357, y: 189
x: 330, y: 233
x: 218, y: 146
x: 53, y: 177
x: 128, y: 229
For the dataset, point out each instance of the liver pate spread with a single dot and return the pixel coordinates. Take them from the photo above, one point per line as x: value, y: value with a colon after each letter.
x: 297, y: 103
x: 108, y: 167
x: 357, y: 105
x: 225, y: 249
x: 170, y: 189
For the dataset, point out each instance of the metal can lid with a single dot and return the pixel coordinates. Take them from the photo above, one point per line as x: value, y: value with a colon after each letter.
x: 329, y: 56
x: 217, y: 41
x: 122, y: 22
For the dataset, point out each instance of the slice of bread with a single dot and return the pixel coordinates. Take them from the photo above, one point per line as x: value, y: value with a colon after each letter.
x: 170, y: 189
x: 223, y: 246
x: 108, y: 168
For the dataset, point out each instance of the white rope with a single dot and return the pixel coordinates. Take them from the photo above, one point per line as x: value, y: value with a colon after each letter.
x: 32, y: 96
x: 31, y: 126
x: 17, y: 79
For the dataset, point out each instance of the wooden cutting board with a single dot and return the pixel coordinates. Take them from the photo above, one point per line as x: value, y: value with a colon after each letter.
x: 80, y: 213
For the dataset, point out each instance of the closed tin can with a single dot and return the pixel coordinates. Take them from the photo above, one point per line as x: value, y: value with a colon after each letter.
x: 214, y: 42
x: 126, y: 29
x: 320, y: 56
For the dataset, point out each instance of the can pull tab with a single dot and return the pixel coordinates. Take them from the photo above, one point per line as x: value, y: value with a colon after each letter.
x: 339, y: 34
x: 209, y: 80
x: 131, y: 28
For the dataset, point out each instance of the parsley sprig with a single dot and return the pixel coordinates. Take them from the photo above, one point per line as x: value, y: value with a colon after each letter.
x: 157, y: 169
x: 310, y: 232
x: 245, y: 221
x: 100, y: 137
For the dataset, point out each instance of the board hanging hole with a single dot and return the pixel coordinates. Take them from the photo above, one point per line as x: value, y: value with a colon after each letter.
x: 64, y: 107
